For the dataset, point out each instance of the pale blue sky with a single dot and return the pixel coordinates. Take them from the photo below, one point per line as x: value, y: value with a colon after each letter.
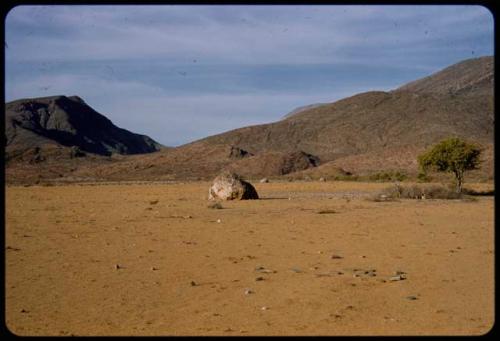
x: 180, y: 73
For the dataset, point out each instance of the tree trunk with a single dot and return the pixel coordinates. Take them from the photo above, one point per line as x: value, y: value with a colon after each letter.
x: 459, y: 179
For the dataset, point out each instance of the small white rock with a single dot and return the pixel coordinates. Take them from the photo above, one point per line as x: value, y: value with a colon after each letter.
x: 264, y: 308
x: 218, y: 220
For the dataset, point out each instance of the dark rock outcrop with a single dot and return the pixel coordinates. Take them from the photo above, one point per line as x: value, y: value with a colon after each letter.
x: 238, y: 153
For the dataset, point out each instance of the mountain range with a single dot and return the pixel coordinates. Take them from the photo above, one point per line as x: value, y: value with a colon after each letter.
x: 362, y: 134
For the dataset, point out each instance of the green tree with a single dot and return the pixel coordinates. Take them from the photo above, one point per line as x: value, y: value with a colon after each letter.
x: 451, y: 155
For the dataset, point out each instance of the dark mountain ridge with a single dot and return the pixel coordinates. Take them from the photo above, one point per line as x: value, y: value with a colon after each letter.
x: 68, y: 121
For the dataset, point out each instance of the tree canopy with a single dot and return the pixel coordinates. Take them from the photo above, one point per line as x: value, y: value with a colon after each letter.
x: 451, y: 155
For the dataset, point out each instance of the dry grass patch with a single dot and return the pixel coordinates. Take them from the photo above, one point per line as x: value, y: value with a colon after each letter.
x: 398, y: 191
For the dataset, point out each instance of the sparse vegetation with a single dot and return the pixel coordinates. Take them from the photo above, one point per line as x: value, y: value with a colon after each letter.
x: 397, y: 191
x: 451, y: 155
x: 388, y: 176
x: 423, y: 177
x: 346, y: 177
x: 478, y: 193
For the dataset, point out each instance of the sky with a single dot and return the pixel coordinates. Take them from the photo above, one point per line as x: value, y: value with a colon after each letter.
x: 178, y: 73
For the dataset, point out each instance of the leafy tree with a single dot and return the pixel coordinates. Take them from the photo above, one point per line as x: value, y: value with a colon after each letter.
x: 451, y: 155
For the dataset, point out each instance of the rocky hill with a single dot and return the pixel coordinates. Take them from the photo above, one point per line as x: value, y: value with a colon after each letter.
x: 36, y: 123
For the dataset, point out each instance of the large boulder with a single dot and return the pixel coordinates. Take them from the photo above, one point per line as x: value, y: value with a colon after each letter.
x: 230, y: 186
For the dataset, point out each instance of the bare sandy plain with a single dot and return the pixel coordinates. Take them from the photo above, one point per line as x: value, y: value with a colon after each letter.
x: 309, y: 258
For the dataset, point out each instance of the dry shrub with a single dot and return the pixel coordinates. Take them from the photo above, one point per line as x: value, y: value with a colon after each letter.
x: 416, y: 192
x: 478, y: 193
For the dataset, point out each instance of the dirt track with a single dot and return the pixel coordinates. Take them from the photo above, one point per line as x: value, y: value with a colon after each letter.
x: 186, y: 269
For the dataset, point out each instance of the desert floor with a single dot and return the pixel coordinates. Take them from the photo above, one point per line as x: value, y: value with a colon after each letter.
x: 309, y: 258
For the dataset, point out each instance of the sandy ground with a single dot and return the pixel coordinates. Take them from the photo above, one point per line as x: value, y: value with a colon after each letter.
x: 155, y: 260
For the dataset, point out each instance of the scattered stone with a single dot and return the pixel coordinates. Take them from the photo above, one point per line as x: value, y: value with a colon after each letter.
x: 24, y: 311
x: 399, y: 277
x: 218, y: 220
x: 249, y: 291
x: 264, y: 180
x: 336, y: 257
x: 230, y: 186
x: 296, y: 270
x: 264, y: 270
x: 264, y: 308
x: 154, y: 268
x: 118, y: 266
x: 153, y: 202
x: 12, y: 248
x: 181, y: 216
x: 411, y: 298
x: 322, y: 179
x: 259, y: 279
x: 193, y: 283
